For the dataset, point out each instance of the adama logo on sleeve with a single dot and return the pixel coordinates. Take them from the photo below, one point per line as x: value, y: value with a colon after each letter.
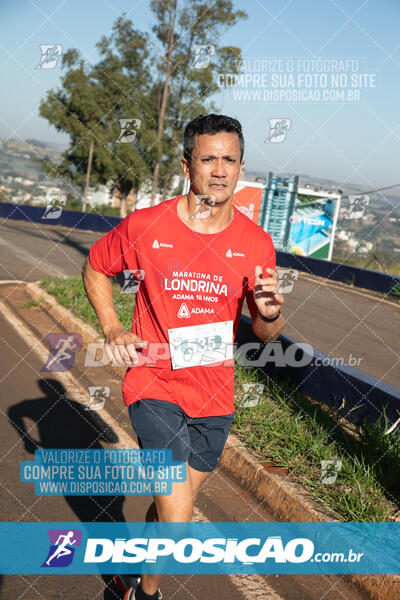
x: 157, y: 244
x: 229, y: 253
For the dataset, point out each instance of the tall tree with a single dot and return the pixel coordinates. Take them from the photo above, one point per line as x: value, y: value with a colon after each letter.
x: 89, y: 107
x: 178, y: 30
x: 142, y: 78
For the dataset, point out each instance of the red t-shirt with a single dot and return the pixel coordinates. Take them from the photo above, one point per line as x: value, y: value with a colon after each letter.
x: 190, y: 278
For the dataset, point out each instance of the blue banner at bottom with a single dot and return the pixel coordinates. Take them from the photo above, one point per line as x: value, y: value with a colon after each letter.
x: 200, y: 548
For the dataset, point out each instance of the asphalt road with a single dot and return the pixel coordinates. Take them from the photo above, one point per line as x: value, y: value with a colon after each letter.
x: 362, y: 329
x: 44, y: 410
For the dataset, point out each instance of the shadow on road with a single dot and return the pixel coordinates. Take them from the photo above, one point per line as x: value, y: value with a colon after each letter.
x: 63, y: 423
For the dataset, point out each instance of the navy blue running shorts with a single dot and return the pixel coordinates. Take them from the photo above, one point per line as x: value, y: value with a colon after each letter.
x: 198, y: 441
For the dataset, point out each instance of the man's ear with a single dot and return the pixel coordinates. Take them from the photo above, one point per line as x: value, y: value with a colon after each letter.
x: 185, y: 168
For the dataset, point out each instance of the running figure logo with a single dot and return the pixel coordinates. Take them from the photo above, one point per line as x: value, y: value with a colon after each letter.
x: 129, y: 128
x: 278, y: 129
x: 132, y: 281
x: 330, y: 470
x: 357, y: 206
x: 202, y: 55
x: 252, y: 393
x: 54, y: 203
x: 50, y: 54
x: 286, y: 279
x: 61, y: 551
x: 97, y: 397
x: 62, y: 351
x: 203, y: 206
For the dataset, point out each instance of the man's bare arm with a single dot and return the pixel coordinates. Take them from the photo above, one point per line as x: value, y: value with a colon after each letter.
x: 120, y: 346
x: 268, y: 332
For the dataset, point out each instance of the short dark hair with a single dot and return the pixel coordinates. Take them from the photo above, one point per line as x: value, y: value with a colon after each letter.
x: 210, y: 124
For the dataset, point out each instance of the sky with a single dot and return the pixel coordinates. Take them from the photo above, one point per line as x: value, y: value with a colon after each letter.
x: 347, y: 141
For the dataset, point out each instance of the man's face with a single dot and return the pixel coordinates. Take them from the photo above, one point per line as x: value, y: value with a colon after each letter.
x: 215, y: 166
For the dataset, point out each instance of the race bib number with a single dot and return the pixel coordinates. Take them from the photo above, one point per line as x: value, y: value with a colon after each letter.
x: 197, y: 345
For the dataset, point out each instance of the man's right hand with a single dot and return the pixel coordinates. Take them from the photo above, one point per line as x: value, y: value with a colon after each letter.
x: 120, y: 346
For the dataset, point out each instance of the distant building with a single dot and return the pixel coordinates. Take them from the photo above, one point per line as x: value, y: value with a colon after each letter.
x: 143, y: 196
x: 21, y: 198
x: 100, y: 196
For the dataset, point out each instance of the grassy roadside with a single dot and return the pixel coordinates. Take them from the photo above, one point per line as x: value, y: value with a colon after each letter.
x: 289, y: 430
x: 71, y: 294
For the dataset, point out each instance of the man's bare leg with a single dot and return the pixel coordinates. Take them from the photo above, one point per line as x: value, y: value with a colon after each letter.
x: 197, y: 478
x: 176, y: 508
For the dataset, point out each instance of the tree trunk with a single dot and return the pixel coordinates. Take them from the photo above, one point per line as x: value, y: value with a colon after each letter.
x: 154, y: 187
x: 167, y: 181
x: 89, y: 168
x: 161, y: 116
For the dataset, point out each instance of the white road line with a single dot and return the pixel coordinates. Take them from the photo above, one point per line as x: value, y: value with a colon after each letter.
x: 253, y: 587
x: 29, y: 258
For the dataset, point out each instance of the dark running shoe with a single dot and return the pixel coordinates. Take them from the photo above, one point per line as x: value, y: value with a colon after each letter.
x: 130, y: 594
x: 126, y: 582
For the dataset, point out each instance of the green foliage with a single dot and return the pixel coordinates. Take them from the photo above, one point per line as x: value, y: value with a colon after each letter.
x: 73, y: 204
x: 128, y: 82
x: 105, y: 209
x: 32, y: 303
x: 88, y: 107
x: 70, y: 293
x: 395, y: 292
x: 196, y: 22
x: 391, y: 263
x: 98, y: 209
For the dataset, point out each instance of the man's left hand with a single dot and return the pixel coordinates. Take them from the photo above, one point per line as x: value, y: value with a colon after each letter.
x: 267, y: 295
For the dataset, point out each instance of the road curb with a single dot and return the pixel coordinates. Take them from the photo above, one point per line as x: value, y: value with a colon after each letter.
x: 289, y: 500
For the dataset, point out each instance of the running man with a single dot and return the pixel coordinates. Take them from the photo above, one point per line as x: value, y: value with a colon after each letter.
x: 197, y: 273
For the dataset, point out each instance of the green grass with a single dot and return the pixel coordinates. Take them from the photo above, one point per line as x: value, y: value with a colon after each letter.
x: 395, y: 292
x: 289, y: 430
x: 350, y: 280
x: 32, y: 303
x: 71, y: 294
x: 101, y: 209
